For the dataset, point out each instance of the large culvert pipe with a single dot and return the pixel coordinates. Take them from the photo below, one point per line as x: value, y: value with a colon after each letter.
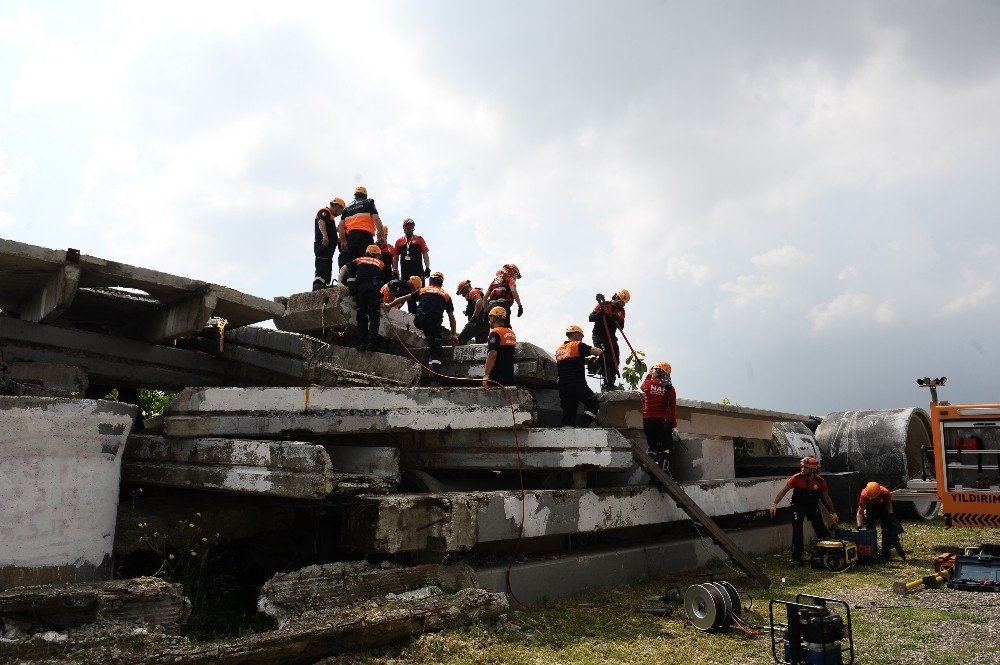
x: 795, y: 438
x: 885, y: 446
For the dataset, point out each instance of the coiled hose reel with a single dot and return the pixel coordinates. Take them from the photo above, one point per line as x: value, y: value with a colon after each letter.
x: 713, y: 605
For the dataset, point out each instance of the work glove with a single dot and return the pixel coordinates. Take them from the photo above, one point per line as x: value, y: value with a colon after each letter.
x: 834, y: 520
x: 326, y: 242
x: 395, y: 274
x: 427, y: 273
x: 774, y: 510
x: 600, y: 297
x: 486, y: 383
x: 520, y: 311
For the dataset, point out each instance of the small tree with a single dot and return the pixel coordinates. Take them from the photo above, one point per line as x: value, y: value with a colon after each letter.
x: 635, y: 369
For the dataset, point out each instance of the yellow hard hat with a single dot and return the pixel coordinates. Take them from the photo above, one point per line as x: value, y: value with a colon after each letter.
x: 498, y: 311
x: 809, y: 463
x: 871, y: 489
x: 624, y: 295
x: 461, y: 285
x: 339, y: 201
x: 665, y: 366
x: 360, y: 190
x: 416, y: 282
x: 574, y: 329
x: 373, y: 250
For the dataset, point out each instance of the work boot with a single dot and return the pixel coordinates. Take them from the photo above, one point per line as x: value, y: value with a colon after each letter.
x: 318, y: 284
x: 372, y: 346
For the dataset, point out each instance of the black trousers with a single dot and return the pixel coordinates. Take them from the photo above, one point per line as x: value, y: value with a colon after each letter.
x: 799, y: 515
x: 477, y: 328
x: 324, y: 261
x: 879, y: 515
x: 431, y: 327
x: 607, y: 346
x: 659, y: 436
x: 368, y: 300
x: 408, y: 270
x: 572, y: 395
x: 500, y: 303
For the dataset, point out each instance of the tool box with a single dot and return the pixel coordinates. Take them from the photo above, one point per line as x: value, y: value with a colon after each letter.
x: 976, y: 573
x: 865, y: 539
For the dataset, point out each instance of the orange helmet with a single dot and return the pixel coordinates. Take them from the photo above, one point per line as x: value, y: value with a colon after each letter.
x: 871, y: 489
x: 339, y: 201
x: 498, y: 311
x: 664, y: 367
x: 574, y: 329
x: 624, y: 295
x: 360, y: 190
x: 465, y: 283
x: 512, y: 270
x: 437, y: 275
x: 373, y: 250
x: 416, y: 282
x: 809, y: 463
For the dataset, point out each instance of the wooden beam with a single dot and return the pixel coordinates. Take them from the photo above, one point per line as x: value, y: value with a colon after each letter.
x: 53, y: 299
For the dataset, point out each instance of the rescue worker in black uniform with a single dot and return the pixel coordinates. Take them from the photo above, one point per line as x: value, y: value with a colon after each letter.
x: 808, y: 488
x: 478, y: 327
x: 325, y: 242
x: 367, y: 298
x: 500, y: 345
x: 387, y: 256
x: 608, y: 318
x: 400, y: 287
x: 432, y: 303
x: 573, y: 388
x: 359, y: 225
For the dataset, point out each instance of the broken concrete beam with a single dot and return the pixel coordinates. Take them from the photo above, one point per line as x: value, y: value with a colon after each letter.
x: 292, y: 469
x: 180, y: 319
x: 147, y: 600
x: 540, y: 450
x: 317, y: 588
x: 365, y: 469
x: 44, y: 379
x: 61, y: 467
x: 457, y: 521
x: 702, y: 458
x: 274, y: 357
x: 533, y: 366
x: 53, y: 298
x: 330, y: 314
x: 295, y: 412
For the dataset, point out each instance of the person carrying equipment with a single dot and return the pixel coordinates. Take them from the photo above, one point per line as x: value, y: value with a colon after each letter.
x: 659, y: 413
x: 412, y: 257
x: 808, y: 487
x: 608, y: 318
x: 573, y: 388
x: 359, y: 224
x: 500, y: 347
x: 325, y: 242
x: 432, y: 302
x: 400, y: 287
x: 478, y: 327
x: 875, y: 505
x: 368, y: 270
x: 502, y: 291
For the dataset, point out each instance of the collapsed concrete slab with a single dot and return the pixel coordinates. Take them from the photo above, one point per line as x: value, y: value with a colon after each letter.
x: 262, y: 356
x: 59, y: 487
x: 540, y: 450
x: 43, y: 380
x: 533, y: 366
x: 316, y: 588
x: 454, y: 522
x: 148, y: 600
x: 294, y: 412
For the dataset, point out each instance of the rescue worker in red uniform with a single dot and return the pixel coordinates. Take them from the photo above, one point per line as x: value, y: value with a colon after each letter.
x: 875, y: 506
x: 432, y: 303
x: 608, y: 318
x: 500, y: 347
x: 358, y: 228
x: 502, y: 291
x: 573, y: 388
x: 478, y: 327
x: 325, y: 242
x: 807, y: 488
x: 412, y: 257
x: 400, y: 287
x: 367, y: 298
x: 659, y: 413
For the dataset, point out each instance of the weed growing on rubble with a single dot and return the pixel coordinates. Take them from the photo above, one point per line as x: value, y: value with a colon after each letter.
x: 634, y: 370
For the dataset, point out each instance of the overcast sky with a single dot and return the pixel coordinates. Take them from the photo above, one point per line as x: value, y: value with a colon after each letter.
x: 802, y: 197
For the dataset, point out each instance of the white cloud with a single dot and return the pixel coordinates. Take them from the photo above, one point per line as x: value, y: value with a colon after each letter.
x: 847, y: 272
x: 885, y: 314
x: 750, y: 290
x: 845, y: 309
x: 684, y: 268
x: 786, y: 256
x: 972, y: 299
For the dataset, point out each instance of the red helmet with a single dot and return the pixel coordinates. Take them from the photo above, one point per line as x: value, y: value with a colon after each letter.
x: 512, y: 270
x: 809, y: 463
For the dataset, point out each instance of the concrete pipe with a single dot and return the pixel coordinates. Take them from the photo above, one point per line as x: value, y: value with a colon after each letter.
x: 885, y: 446
x: 60, y: 467
x: 795, y: 438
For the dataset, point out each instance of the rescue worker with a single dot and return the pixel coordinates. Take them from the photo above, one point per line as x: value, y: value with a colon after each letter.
x: 502, y: 291
x: 387, y: 257
x: 659, y: 413
x: 808, y: 488
x: 400, y: 287
x: 368, y: 270
x: 500, y: 347
x: 359, y: 225
x: 478, y: 327
x: 325, y: 242
x: 411, y: 255
x: 432, y: 303
x: 875, y: 505
x: 608, y: 318
x: 573, y: 388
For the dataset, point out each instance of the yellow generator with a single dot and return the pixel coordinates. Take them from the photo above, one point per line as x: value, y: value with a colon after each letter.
x: 832, y: 554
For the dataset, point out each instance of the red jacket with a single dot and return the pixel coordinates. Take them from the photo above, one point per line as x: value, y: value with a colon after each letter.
x: 882, y: 499
x: 659, y: 401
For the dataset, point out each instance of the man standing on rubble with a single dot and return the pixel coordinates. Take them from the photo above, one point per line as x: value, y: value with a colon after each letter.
x: 573, y: 388
x: 367, y: 298
x: 412, y: 257
x: 659, y: 413
x: 478, y: 327
x: 432, y: 303
x: 502, y: 291
x: 500, y: 347
x: 325, y: 242
x: 608, y: 318
x: 875, y: 506
x: 359, y: 225
x: 807, y: 489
